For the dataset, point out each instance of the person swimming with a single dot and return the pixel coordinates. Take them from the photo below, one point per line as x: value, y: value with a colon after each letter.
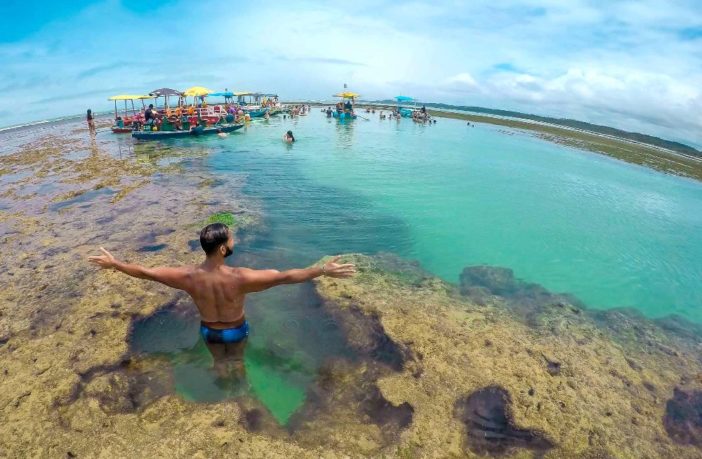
x: 219, y: 290
x: 289, y: 137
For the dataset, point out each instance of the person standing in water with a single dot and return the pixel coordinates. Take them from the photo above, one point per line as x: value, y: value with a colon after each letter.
x: 289, y: 137
x: 91, y: 121
x: 219, y: 290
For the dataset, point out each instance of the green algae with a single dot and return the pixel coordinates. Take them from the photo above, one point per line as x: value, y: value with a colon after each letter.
x: 226, y: 218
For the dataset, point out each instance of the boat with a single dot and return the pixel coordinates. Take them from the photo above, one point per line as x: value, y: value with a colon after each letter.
x: 165, y: 93
x: 405, y: 112
x: 194, y: 132
x: 344, y: 110
x: 125, y: 117
x: 260, y: 113
x: 250, y: 104
x: 274, y: 106
x: 193, y: 121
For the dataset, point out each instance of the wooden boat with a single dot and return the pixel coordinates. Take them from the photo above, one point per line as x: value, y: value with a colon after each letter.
x: 405, y: 112
x: 195, y: 131
x: 255, y: 104
x: 346, y: 114
x: 125, y: 117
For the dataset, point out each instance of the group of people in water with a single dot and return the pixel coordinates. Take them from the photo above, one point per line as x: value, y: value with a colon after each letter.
x: 420, y: 115
x: 298, y: 110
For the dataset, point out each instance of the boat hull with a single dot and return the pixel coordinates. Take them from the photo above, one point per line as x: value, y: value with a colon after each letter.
x: 406, y: 113
x: 157, y: 135
x: 257, y: 113
x: 344, y: 116
x: 121, y: 130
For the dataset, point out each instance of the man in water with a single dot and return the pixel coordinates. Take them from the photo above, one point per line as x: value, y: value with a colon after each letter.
x: 219, y: 290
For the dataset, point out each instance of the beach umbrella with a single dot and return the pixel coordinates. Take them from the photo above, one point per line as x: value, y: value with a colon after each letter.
x: 347, y: 95
x: 197, y: 91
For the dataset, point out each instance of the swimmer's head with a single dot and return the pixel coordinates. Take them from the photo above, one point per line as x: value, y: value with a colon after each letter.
x: 216, y: 239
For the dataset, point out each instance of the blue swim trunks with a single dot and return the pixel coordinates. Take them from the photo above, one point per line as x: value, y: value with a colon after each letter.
x: 227, y: 335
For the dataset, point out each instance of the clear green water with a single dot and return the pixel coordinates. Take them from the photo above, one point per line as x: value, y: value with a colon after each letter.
x: 449, y: 196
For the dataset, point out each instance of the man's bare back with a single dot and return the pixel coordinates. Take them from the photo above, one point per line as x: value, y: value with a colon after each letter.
x: 219, y: 290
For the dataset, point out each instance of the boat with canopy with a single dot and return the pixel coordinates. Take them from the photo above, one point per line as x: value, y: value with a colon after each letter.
x: 344, y: 109
x: 271, y: 101
x: 125, y: 117
x: 405, y: 112
x: 165, y: 93
x: 250, y: 103
x: 195, y: 120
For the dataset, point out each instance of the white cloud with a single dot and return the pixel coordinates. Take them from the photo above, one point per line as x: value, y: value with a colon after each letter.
x: 462, y: 79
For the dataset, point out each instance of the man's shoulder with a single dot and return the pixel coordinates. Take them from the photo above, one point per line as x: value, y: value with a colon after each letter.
x: 240, y: 271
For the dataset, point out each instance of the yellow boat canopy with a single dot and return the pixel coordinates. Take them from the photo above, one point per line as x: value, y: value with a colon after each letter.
x: 197, y: 91
x: 347, y: 95
x: 129, y: 97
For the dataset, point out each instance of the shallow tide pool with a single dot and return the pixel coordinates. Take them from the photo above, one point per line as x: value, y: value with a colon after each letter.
x: 449, y: 196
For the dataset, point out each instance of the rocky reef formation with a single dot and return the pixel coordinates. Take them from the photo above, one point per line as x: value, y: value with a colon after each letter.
x: 507, y: 368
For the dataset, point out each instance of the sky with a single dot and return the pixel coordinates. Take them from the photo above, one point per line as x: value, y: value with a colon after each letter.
x: 634, y: 65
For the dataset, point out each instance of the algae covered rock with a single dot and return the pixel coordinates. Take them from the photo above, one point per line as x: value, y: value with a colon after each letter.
x: 483, y: 380
x: 226, y: 218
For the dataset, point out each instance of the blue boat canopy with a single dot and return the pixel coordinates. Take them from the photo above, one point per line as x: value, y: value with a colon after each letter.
x: 403, y: 98
x: 222, y: 94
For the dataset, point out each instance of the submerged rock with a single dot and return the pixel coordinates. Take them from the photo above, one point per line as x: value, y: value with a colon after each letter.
x: 490, y: 426
x: 683, y: 417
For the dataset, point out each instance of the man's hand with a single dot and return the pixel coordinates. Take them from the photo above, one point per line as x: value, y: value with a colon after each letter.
x: 105, y: 261
x: 340, y: 271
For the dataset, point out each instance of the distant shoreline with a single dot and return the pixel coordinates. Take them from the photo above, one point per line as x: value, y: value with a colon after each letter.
x: 652, y: 156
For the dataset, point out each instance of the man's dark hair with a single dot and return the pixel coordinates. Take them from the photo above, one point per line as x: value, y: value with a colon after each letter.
x: 212, y: 236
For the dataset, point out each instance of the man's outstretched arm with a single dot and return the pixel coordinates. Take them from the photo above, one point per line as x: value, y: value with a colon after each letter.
x: 172, y: 277
x: 258, y: 280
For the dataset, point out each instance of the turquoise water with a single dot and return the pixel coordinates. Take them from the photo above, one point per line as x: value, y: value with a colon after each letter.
x: 611, y: 233
x: 449, y: 196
